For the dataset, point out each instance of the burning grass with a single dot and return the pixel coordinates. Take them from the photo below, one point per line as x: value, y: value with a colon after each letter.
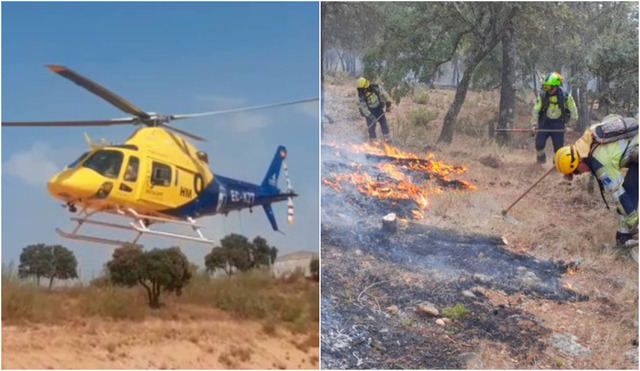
x: 390, y: 174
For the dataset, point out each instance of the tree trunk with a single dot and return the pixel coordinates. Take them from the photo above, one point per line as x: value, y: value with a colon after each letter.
x: 584, y: 109
x: 446, y: 134
x: 455, y: 76
x: 351, y: 63
x: 154, y: 301
x: 506, y: 115
x: 535, y: 80
x: 51, y: 281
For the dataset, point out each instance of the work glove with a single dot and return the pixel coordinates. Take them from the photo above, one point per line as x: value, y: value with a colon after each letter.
x: 533, y: 131
x: 388, y: 106
x: 371, y: 118
x: 622, y: 238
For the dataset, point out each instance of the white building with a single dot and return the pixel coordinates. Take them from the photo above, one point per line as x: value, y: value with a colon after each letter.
x: 288, y: 264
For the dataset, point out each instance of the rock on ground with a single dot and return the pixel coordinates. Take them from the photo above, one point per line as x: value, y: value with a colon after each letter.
x: 428, y: 309
x: 392, y: 309
x: 568, y: 345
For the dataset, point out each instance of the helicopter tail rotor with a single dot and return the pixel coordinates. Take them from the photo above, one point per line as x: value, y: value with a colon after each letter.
x: 290, y: 209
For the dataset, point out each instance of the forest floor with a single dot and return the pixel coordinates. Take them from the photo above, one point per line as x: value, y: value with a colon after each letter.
x: 540, y: 288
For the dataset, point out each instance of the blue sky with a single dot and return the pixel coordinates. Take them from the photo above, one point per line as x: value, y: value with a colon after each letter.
x: 166, y: 58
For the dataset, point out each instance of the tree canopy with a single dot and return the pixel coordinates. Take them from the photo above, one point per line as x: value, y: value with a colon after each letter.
x: 489, y: 45
x: 49, y: 261
x: 156, y: 270
x: 237, y: 253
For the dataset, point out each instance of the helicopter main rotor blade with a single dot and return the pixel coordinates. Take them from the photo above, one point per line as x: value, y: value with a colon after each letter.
x: 185, y: 133
x: 241, y: 109
x: 99, y: 90
x: 124, y: 121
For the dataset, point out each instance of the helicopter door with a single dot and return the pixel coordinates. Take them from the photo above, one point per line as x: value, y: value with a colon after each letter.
x: 158, y: 188
x: 129, y: 185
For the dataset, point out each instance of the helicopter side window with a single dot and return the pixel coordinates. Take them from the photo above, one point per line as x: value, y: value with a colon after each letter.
x: 79, y: 160
x: 105, y: 162
x: 131, y: 174
x: 161, y: 175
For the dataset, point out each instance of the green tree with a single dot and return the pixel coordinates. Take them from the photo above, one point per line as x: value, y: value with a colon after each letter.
x: 348, y: 30
x: 263, y: 254
x: 239, y: 249
x: 52, y: 262
x: 34, y: 261
x: 420, y: 37
x: 237, y: 252
x: 157, y: 270
x: 218, y: 258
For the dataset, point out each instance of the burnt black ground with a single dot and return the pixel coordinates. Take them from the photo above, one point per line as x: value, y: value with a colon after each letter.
x: 364, y: 270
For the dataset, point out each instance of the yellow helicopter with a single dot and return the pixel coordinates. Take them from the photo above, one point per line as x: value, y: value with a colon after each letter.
x: 156, y: 176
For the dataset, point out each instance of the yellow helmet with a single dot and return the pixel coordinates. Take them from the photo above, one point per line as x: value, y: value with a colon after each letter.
x: 363, y: 83
x: 567, y: 160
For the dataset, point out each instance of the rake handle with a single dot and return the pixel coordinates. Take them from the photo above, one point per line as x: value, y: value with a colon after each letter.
x: 505, y: 211
x: 530, y: 130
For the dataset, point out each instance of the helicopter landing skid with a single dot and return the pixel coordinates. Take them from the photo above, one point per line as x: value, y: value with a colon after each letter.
x: 106, y: 241
x: 140, y: 224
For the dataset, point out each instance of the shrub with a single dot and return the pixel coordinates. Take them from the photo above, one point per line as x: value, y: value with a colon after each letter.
x: 256, y: 294
x: 472, y: 126
x: 112, y: 302
x: 422, y: 117
x: 25, y: 301
x: 421, y: 97
x: 457, y: 312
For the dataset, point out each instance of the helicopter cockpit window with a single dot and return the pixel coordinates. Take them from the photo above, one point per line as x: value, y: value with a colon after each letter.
x: 131, y: 173
x: 161, y: 175
x: 105, y: 162
x: 79, y: 160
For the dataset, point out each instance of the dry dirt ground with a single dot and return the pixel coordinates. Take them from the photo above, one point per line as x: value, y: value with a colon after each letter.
x: 557, y: 221
x: 219, y: 342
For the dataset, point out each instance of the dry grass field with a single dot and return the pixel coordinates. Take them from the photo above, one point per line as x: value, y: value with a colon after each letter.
x: 250, y: 321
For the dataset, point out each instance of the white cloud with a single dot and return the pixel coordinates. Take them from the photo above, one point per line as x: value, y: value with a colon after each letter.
x: 242, y: 122
x: 309, y: 108
x: 33, y: 166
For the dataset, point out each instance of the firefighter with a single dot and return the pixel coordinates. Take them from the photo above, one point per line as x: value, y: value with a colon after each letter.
x: 606, y: 155
x: 553, y: 109
x: 373, y: 101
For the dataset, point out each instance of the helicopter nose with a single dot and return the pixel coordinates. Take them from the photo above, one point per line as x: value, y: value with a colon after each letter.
x: 70, y: 184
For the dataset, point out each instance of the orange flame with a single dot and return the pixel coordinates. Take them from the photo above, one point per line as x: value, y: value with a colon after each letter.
x: 397, y: 186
